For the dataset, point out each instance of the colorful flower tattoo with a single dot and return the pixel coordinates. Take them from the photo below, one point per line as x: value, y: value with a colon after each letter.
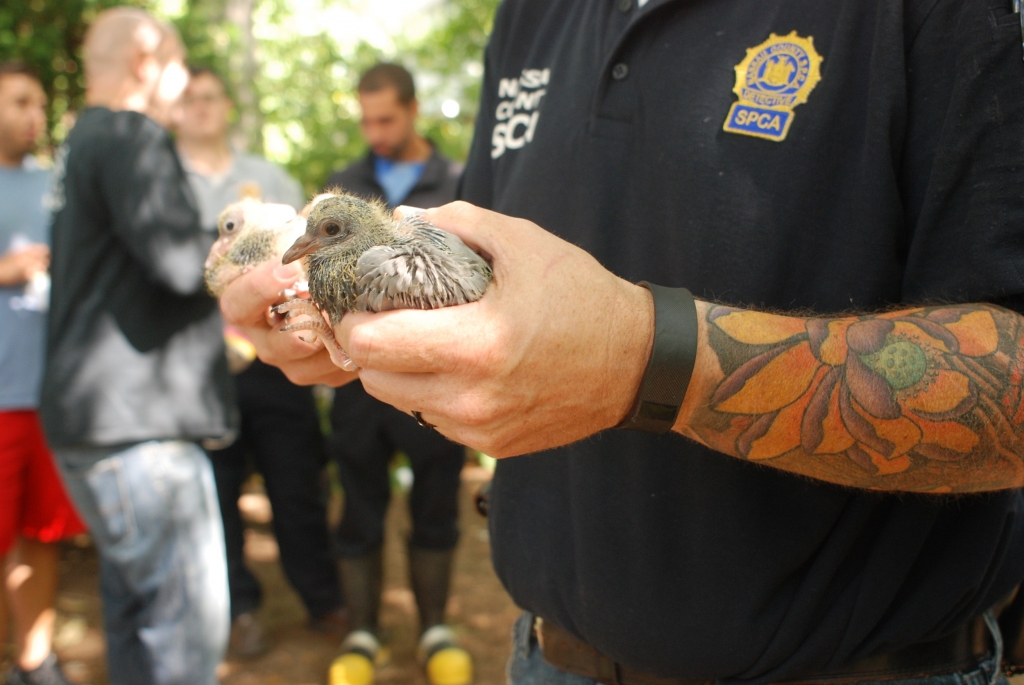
x: 926, y: 399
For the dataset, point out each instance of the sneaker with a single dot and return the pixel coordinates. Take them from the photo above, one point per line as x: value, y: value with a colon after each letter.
x: 48, y: 673
x: 445, y: 662
x: 247, y: 641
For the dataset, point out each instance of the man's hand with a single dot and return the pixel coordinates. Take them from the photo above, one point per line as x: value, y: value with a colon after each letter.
x: 18, y: 266
x: 246, y: 304
x: 928, y: 399
x: 553, y: 352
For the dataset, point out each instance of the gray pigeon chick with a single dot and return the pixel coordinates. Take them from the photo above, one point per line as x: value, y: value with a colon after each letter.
x: 360, y: 259
x: 250, y: 232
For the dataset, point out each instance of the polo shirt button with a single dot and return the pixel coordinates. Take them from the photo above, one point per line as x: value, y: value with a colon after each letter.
x: 625, y: 5
x: 620, y: 71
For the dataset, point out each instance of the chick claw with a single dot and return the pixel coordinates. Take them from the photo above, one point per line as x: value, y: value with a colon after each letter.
x: 319, y: 328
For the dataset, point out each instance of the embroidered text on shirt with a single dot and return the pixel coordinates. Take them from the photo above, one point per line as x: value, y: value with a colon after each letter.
x: 517, y: 116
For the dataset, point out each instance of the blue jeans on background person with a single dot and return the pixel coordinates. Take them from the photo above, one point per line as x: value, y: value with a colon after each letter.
x: 526, y: 665
x: 153, y: 514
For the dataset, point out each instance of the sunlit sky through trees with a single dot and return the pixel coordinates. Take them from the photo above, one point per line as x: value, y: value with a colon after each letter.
x: 376, y: 22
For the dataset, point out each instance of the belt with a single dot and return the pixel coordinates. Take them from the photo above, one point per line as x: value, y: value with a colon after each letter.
x: 960, y: 651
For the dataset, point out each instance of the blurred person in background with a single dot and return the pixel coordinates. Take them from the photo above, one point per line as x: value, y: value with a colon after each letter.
x: 35, y: 512
x: 401, y: 167
x: 218, y: 174
x: 136, y: 372
x: 280, y: 433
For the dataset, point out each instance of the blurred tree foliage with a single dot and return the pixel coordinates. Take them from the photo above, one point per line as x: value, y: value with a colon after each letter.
x: 295, y: 103
x: 48, y: 35
x: 314, y: 135
x: 295, y: 93
x: 307, y: 97
x: 448, y: 63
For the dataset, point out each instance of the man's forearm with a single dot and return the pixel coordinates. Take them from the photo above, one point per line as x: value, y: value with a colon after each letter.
x: 926, y: 399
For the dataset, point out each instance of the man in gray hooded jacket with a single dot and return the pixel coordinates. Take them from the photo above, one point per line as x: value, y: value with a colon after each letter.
x: 136, y: 373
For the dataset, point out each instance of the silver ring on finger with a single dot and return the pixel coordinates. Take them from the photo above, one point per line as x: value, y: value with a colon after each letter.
x: 420, y: 420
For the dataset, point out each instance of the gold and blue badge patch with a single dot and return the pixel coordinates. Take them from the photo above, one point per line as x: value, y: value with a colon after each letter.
x: 772, y: 79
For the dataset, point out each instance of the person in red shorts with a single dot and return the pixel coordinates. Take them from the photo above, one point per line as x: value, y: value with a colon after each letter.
x: 35, y: 512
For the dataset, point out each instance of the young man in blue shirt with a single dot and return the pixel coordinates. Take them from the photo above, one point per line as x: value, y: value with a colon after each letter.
x: 35, y: 512
x: 402, y: 167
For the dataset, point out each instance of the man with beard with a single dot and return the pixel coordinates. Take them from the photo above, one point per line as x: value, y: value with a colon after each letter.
x: 402, y: 167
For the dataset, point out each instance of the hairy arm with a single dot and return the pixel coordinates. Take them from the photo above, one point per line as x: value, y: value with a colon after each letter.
x: 926, y: 399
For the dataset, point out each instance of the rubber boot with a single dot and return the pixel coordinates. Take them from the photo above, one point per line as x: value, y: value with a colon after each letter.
x: 361, y: 584
x: 430, y: 572
x: 361, y: 579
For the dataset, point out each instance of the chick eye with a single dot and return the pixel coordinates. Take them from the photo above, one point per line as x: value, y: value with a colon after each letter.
x: 332, y: 228
x: 229, y: 225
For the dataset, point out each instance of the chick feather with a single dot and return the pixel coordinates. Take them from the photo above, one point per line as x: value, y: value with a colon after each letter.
x: 360, y: 259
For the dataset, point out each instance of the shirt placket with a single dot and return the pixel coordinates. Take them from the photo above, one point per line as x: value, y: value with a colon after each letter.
x: 614, y: 111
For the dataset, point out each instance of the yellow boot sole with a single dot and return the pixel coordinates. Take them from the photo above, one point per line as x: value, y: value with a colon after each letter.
x: 450, y: 666
x: 351, y: 668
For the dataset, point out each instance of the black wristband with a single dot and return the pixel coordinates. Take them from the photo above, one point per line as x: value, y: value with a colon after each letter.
x: 669, y: 369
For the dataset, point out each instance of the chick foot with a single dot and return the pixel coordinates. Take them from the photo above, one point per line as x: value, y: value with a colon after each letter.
x: 317, y: 326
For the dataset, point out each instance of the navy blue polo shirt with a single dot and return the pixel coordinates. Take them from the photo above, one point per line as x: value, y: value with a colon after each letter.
x: 788, y: 154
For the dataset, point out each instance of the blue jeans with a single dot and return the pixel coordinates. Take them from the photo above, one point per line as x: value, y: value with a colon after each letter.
x: 526, y: 665
x: 153, y: 514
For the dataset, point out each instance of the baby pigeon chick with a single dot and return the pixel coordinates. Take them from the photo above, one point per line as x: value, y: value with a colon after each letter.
x: 250, y: 233
x: 360, y: 259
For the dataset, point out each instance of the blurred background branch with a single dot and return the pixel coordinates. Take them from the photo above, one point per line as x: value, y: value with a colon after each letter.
x: 290, y: 65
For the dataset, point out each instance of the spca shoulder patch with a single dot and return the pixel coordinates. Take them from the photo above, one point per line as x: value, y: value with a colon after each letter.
x: 772, y: 79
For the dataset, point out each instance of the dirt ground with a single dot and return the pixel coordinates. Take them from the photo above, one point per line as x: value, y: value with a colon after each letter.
x: 481, y: 612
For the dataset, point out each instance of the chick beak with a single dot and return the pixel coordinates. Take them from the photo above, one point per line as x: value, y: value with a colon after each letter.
x: 306, y: 244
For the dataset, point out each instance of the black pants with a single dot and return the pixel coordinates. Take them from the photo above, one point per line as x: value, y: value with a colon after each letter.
x: 367, y: 433
x: 281, y: 437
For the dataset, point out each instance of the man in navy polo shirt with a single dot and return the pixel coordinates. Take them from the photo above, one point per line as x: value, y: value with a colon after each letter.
x: 808, y: 159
